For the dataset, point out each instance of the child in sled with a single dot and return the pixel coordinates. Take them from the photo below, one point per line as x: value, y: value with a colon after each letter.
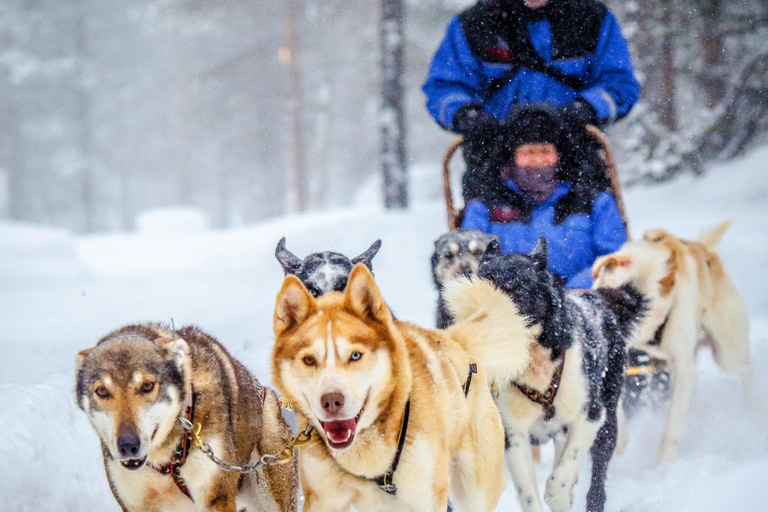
x: 535, y: 187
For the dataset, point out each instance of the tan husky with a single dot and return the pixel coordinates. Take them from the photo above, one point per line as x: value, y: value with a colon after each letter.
x: 692, y: 303
x: 393, y: 429
x: 140, y: 383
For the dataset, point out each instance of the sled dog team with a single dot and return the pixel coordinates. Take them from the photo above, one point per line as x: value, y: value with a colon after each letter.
x: 397, y: 417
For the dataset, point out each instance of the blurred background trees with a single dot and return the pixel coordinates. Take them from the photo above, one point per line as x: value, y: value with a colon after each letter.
x: 108, y: 108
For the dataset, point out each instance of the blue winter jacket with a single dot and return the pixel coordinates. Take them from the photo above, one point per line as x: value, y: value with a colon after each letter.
x: 458, y: 77
x: 573, y: 245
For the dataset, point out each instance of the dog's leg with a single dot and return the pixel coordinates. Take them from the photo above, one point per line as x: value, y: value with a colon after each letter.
x: 622, y: 434
x: 559, y: 490
x: 560, y: 439
x: 520, y: 461
x: 221, y: 497
x: 680, y: 339
x: 602, y: 450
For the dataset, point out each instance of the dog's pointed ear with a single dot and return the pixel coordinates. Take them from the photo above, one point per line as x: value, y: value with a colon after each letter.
x: 289, y: 261
x: 610, y: 262
x: 293, y: 306
x: 80, y: 358
x: 173, y: 348
x: 494, y: 248
x: 362, y: 296
x: 368, y: 255
x: 492, y: 238
x: 539, y: 254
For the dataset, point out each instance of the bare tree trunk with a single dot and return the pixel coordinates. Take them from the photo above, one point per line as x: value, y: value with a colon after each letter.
x: 296, y: 176
x: 714, y: 73
x: 87, y: 177
x: 12, y: 154
x: 668, y: 111
x: 391, y: 116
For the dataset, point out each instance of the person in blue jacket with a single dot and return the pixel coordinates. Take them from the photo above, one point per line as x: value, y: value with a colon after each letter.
x: 535, y: 191
x: 496, y: 54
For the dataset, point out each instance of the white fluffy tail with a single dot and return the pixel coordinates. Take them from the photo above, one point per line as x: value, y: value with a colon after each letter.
x: 712, y: 237
x: 489, y: 327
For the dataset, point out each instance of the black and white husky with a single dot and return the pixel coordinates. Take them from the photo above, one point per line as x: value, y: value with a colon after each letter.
x: 323, y: 272
x: 571, y: 388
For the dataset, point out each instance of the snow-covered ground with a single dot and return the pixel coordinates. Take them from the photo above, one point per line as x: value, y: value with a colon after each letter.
x: 59, y: 294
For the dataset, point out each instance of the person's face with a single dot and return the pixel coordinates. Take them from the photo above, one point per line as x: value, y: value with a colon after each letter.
x: 535, y: 4
x: 536, y: 155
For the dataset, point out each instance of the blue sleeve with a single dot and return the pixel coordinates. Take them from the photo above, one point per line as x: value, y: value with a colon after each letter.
x: 608, y: 235
x: 580, y: 280
x: 455, y: 77
x: 615, y: 89
x: 476, y: 217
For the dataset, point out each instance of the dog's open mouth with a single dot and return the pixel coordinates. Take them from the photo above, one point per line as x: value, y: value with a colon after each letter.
x: 341, y: 433
x: 133, y: 464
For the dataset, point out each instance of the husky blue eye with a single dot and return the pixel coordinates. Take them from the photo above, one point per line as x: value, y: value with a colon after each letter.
x: 355, y: 356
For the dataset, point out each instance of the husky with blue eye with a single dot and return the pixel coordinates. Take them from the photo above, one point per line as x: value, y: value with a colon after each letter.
x: 323, y: 272
x: 571, y: 387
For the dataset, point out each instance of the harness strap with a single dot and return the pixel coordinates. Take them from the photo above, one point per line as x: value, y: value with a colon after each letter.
x: 384, y: 481
x: 172, y: 468
x: 659, y: 333
x: 547, y: 399
x: 472, y: 369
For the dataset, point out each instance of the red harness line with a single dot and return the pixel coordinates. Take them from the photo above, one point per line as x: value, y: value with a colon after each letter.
x: 547, y: 399
x: 172, y: 468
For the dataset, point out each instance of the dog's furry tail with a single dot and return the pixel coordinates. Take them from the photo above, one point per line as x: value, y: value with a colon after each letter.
x: 627, y: 304
x: 712, y: 237
x: 489, y: 327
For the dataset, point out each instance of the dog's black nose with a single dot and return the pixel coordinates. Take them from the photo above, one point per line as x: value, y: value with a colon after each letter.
x: 332, y: 402
x: 128, y: 444
x: 465, y: 270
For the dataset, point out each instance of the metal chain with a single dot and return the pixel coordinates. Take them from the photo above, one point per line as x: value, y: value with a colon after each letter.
x: 267, y: 459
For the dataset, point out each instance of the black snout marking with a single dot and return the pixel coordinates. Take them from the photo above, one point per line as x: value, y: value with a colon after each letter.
x: 332, y: 402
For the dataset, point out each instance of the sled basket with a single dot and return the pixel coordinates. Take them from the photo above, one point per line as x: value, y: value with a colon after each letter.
x: 455, y: 215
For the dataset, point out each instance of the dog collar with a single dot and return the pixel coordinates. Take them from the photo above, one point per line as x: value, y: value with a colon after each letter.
x: 172, y: 468
x: 547, y: 399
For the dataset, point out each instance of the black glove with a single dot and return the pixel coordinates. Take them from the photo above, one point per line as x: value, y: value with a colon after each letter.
x: 577, y: 116
x: 473, y: 121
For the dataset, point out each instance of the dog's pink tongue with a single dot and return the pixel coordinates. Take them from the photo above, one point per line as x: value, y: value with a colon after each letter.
x: 340, y: 431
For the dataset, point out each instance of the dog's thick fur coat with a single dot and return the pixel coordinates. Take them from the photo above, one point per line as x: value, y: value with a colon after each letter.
x: 349, y: 369
x: 590, y: 330
x: 692, y: 304
x: 135, y: 384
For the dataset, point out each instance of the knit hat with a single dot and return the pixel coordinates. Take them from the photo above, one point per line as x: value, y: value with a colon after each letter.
x: 532, y: 124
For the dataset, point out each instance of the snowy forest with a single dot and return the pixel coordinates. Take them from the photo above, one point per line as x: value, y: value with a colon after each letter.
x: 108, y: 108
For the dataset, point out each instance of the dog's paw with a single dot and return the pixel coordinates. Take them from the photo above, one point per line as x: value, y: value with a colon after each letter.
x: 559, y: 494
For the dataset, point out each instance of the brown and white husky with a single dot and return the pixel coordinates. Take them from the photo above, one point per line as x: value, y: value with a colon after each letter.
x: 136, y: 384
x: 392, y: 427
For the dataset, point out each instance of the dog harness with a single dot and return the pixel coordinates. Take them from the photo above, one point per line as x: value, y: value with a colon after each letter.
x: 172, y: 468
x: 384, y: 481
x: 659, y: 333
x: 547, y: 399
x: 472, y: 369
